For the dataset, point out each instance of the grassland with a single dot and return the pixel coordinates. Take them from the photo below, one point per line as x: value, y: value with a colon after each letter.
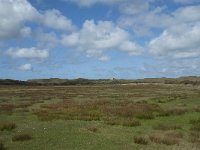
x: 100, y: 117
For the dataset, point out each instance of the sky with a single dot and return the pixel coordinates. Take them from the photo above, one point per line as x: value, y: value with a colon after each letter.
x: 95, y: 39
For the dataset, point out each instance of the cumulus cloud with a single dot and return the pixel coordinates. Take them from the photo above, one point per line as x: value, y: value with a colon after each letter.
x: 28, y: 53
x: 134, y: 7
x: 54, y: 19
x: 144, y: 23
x: 177, y: 42
x: 13, y: 15
x: 187, y: 14
x: 104, y: 58
x: 25, y: 67
x: 181, y: 42
x: 131, y: 48
x: 46, y: 40
x: 95, y: 38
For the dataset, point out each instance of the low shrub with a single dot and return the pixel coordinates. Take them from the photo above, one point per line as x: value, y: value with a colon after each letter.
x: 194, y: 137
x: 172, y: 112
x: 195, y: 121
x: 131, y: 122
x: 92, y: 128
x: 2, y: 147
x: 7, y: 126
x: 111, y: 121
x: 145, y: 116
x: 21, y: 137
x: 177, y: 135
x: 7, y: 108
x: 164, y: 140
x: 166, y: 127
x: 140, y: 140
x: 196, y: 127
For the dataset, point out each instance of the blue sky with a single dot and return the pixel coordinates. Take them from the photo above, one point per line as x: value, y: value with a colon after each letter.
x: 95, y: 39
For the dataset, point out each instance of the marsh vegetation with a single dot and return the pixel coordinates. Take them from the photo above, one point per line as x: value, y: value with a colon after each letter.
x: 128, y: 116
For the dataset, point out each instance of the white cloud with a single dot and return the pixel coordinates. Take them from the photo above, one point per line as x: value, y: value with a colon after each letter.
x: 13, y: 15
x: 134, y: 7
x: 71, y: 40
x: 187, y: 14
x: 54, y: 19
x: 29, y: 53
x: 46, y: 40
x: 104, y: 58
x: 25, y: 67
x: 181, y: 42
x: 95, y: 38
x: 144, y: 23
x: 131, y: 48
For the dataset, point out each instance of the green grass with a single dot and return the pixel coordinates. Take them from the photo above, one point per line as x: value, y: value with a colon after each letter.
x: 99, y: 117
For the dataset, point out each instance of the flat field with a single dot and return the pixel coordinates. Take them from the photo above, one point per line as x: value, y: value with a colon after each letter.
x: 100, y: 117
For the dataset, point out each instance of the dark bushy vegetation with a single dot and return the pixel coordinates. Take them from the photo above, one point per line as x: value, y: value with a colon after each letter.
x: 164, y: 140
x: 21, y: 137
x: 141, y: 140
x: 193, y: 80
x: 2, y: 147
x: 166, y: 127
x: 7, y: 126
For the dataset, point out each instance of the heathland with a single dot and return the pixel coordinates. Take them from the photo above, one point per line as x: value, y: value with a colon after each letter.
x: 105, y: 114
